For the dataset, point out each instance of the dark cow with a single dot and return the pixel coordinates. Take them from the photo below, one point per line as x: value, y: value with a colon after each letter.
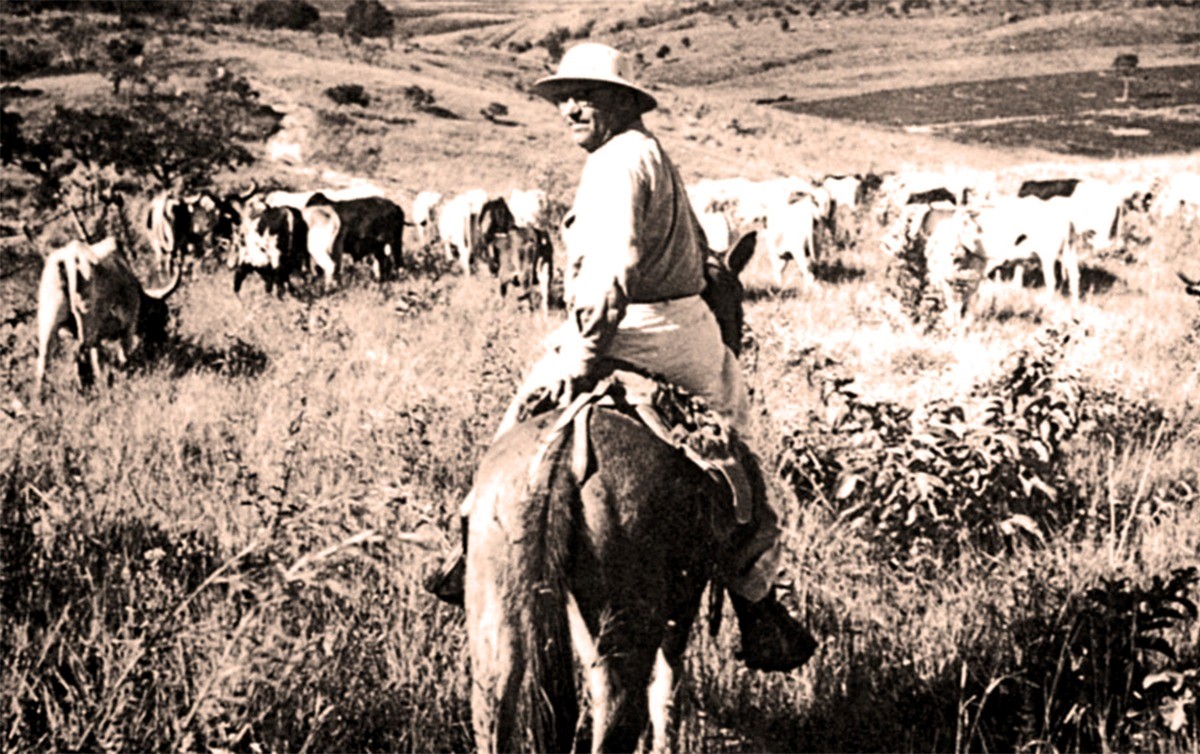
x: 495, y: 223
x: 931, y: 196
x: 217, y: 219
x: 525, y: 258
x: 274, y: 246
x: 168, y: 228
x: 91, y: 290
x: 370, y: 227
x: 1048, y: 189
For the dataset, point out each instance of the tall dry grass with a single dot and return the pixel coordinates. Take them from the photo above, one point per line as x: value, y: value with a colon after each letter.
x: 223, y: 550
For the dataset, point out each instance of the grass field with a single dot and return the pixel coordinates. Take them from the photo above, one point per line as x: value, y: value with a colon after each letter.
x: 222, y: 550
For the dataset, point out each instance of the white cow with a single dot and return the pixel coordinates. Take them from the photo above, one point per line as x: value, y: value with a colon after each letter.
x: 791, y: 235
x: 426, y: 207
x: 1095, y: 210
x: 716, y: 230
x: 529, y: 208
x: 323, y: 226
x: 1178, y: 195
x: 845, y: 190
x: 458, y: 225
x: 955, y: 260
x: 1019, y: 229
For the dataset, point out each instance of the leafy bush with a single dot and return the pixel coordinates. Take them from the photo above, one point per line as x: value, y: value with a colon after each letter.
x: 368, y: 18
x: 1102, y: 671
x: 166, y: 140
x: 23, y: 57
x: 297, y: 15
x: 908, y: 275
x: 348, y: 94
x: 922, y: 485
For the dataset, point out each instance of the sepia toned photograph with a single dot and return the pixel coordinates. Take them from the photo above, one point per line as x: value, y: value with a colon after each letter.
x: 584, y: 376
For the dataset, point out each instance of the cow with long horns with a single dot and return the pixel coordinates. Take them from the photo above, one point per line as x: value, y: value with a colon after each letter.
x: 92, y: 290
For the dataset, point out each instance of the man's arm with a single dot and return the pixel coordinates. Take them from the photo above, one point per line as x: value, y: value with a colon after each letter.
x: 608, y: 209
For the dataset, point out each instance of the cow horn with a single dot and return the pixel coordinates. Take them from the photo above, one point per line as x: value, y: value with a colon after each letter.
x: 253, y: 190
x: 162, y: 293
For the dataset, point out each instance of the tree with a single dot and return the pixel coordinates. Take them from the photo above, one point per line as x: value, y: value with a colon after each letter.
x: 368, y: 18
x: 1125, y: 66
x: 297, y: 15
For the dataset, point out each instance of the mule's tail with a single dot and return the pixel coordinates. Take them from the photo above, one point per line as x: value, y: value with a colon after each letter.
x: 523, y: 681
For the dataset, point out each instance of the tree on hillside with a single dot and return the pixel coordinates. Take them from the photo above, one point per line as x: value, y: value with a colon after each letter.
x: 368, y: 19
x: 1125, y: 67
x: 297, y: 15
x: 164, y: 141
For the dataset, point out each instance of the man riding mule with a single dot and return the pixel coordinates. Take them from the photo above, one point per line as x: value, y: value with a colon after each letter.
x: 634, y: 279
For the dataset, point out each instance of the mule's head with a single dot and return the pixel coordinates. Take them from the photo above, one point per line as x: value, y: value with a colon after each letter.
x: 723, y: 292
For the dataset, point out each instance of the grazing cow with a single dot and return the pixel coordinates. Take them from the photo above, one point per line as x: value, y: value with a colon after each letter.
x: 1178, y: 196
x: 1095, y: 209
x: 495, y: 221
x: 525, y: 258
x: 955, y: 259
x: 369, y: 227
x: 218, y: 219
x: 716, y: 230
x: 932, y: 196
x: 1019, y: 229
x: 791, y: 234
x: 847, y: 195
x: 274, y: 246
x: 458, y: 225
x: 323, y: 226
x: 1048, y: 189
x: 425, y: 214
x: 949, y: 240
x: 168, y: 227
x: 91, y: 290
x: 529, y: 208
x: 845, y: 190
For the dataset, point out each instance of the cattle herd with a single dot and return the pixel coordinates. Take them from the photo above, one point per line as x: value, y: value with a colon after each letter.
x: 964, y: 226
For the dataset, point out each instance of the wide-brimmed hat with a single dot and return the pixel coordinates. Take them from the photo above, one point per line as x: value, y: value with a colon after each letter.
x: 592, y: 63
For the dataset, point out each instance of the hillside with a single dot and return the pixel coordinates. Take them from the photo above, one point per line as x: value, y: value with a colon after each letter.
x: 992, y: 529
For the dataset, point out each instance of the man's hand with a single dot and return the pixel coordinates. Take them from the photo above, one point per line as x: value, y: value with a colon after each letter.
x: 574, y: 381
x: 566, y: 389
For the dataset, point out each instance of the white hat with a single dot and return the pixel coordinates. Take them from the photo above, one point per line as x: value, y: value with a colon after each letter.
x: 592, y: 62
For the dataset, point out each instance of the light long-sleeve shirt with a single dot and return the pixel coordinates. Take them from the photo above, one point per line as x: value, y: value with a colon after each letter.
x: 631, y: 238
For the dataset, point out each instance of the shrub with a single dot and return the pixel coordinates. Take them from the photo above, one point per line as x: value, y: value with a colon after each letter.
x: 283, y: 14
x: 368, y: 18
x: 348, y: 94
x: 921, y: 485
x: 23, y: 57
x: 1101, y: 670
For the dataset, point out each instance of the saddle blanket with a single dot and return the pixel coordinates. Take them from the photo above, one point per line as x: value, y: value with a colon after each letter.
x: 677, y: 418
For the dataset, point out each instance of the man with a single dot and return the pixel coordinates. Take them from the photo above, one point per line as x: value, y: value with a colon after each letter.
x: 635, y: 271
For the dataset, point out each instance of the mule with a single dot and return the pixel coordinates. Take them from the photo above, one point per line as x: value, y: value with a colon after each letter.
x: 614, y: 563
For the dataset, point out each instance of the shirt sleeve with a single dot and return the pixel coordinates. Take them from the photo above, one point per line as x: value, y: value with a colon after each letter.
x: 609, y: 208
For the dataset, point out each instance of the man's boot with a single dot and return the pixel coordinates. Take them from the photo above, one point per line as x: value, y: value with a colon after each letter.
x: 448, y: 581
x: 771, y: 638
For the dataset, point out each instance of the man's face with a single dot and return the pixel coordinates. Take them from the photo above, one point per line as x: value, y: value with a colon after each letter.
x: 594, y: 114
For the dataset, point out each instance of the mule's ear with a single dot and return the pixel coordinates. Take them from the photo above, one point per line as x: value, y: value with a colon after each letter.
x: 739, y: 256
